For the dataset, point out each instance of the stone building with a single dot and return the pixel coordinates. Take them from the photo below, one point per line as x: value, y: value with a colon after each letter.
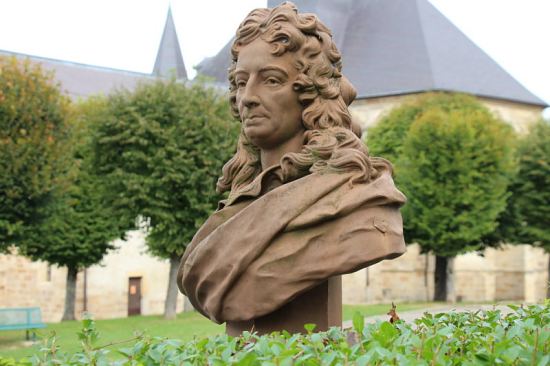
x: 392, y: 49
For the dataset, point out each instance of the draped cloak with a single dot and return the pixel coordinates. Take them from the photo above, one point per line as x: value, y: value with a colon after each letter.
x: 266, y: 246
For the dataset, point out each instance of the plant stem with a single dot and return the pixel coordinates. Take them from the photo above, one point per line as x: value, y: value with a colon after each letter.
x: 115, y: 343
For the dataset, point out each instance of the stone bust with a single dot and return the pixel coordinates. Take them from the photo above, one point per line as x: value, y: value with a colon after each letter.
x: 306, y: 201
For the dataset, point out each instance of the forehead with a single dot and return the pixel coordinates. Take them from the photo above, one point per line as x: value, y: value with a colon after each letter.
x: 258, y: 54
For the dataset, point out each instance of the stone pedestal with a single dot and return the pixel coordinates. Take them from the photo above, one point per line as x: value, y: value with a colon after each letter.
x: 322, y: 305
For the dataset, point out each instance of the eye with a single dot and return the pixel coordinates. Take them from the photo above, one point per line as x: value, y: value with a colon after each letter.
x: 272, y: 81
x: 240, y: 83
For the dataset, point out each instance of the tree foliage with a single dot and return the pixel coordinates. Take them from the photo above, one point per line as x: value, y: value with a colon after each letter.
x: 527, y: 219
x: 453, y: 160
x: 78, y: 224
x: 160, y: 150
x: 32, y: 145
x: 386, y: 139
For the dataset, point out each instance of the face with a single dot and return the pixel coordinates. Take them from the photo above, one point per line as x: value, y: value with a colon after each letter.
x: 268, y: 106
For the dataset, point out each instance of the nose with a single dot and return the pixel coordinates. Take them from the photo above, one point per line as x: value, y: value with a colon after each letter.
x: 249, y: 96
x: 251, y: 101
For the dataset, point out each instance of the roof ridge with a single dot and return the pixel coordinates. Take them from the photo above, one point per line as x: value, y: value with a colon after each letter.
x: 72, y: 63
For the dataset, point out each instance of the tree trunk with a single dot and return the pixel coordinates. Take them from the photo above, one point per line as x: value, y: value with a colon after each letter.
x: 440, y: 279
x: 450, y: 280
x: 70, y: 294
x: 426, y: 282
x: 172, y: 292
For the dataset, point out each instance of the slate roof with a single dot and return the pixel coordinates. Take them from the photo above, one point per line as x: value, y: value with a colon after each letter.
x: 169, y: 58
x: 393, y: 47
x: 80, y: 80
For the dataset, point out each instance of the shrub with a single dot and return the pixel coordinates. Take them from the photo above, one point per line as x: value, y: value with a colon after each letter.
x: 456, y: 338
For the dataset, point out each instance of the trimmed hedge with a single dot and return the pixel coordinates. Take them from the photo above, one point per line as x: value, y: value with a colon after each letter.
x: 521, y: 337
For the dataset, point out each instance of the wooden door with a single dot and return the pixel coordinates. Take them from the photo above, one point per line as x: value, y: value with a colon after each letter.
x: 134, y: 296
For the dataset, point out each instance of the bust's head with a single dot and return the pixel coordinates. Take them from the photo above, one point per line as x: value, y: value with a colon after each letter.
x: 287, y: 89
x: 310, y: 55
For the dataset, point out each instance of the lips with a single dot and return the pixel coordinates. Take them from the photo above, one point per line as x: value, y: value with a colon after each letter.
x: 253, y: 120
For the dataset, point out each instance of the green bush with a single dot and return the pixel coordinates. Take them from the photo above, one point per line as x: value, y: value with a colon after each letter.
x: 454, y: 160
x: 33, y: 142
x: 472, y: 338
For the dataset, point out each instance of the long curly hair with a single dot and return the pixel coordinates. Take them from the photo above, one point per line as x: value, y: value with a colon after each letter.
x: 329, y: 142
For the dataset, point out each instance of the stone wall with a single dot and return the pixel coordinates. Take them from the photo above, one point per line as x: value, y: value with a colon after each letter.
x: 536, y: 280
x: 367, y: 112
x: 510, y: 273
x: 519, y: 115
x: 24, y: 283
x: 28, y: 284
x: 405, y: 279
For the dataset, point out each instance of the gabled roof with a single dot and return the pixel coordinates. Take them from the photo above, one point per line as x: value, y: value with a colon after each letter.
x: 81, y: 80
x: 393, y: 47
x: 169, y: 58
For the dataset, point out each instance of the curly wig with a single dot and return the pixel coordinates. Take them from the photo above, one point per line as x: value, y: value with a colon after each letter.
x: 329, y: 142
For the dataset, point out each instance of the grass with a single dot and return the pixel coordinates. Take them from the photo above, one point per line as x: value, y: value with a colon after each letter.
x: 185, y: 327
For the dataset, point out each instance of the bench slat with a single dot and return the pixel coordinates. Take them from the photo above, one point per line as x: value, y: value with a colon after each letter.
x: 21, y: 318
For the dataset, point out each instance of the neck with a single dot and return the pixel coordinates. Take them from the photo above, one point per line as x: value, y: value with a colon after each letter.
x: 270, y: 157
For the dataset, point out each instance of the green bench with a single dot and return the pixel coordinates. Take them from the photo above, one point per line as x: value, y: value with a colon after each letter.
x: 21, y: 318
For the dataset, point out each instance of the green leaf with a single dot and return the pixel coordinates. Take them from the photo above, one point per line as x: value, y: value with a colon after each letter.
x: 309, y: 327
x: 388, y: 330
x: 358, y: 323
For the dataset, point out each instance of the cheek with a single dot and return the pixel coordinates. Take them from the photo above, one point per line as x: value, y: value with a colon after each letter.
x: 238, y: 103
x: 293, y: 113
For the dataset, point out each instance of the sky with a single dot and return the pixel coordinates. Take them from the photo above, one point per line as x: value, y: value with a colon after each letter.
x: 125, y: 34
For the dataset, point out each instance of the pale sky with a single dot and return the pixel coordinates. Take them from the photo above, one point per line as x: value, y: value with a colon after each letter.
x: 125, y: 34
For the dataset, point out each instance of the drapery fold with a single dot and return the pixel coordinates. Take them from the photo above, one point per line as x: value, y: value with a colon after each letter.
x: 256, y: 254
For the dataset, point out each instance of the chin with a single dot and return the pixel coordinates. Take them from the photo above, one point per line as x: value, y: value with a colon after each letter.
x: 256, y: 136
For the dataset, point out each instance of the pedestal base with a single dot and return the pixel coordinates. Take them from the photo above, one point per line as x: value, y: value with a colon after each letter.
x: 322, y: 305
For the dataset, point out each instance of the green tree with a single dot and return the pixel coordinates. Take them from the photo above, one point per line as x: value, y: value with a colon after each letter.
x: 32, y: 145
x: 78, y: 224
x: 527, y: 218
x: 454, y: 161
x: 161, y: 149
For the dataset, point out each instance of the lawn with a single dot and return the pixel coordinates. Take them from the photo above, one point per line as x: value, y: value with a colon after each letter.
x: 185, y: 327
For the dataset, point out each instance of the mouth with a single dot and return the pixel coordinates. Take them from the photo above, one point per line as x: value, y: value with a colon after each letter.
x: 253, y: 120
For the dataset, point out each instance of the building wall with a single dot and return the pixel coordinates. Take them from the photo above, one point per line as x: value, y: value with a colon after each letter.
x: 367, y: 112
x: 408, y: 278
x: 510, y: 273
x: 519, y: 115
x: 24, y: 283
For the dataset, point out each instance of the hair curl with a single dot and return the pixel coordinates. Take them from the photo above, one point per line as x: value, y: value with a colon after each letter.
x: 329, y: 142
